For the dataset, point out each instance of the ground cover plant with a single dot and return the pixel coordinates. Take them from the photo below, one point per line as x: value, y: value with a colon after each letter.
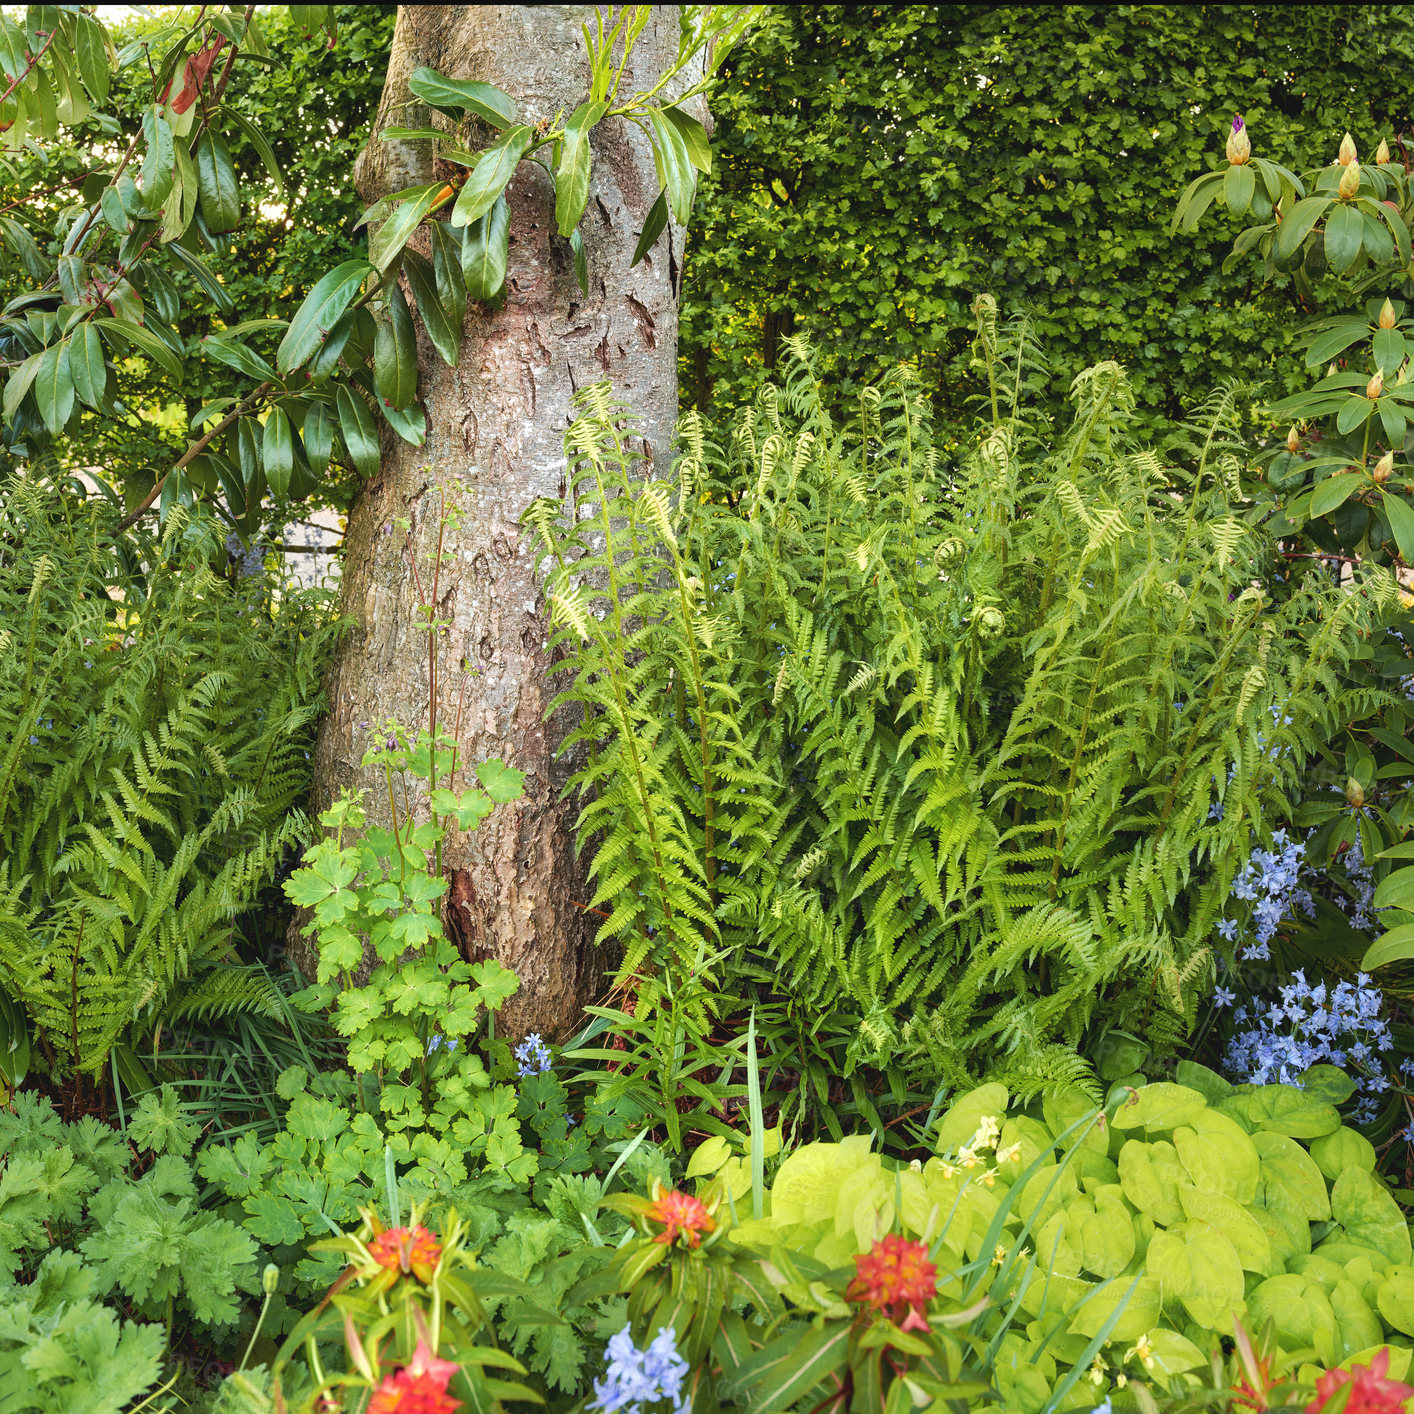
x: 986, y: 822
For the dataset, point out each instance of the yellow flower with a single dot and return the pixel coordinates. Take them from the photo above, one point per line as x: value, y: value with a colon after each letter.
x: 1005, y: 1156
x: 1143, y: 1350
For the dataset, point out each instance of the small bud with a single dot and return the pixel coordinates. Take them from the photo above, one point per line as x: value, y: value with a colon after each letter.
x: 1384, y: 468
x: 1293, y: 439
x: 1382, y: 153
x: 1348, y: 153
x: 1354, y: 792
x: 1332, y: 371
x: 1349, y: 182
x: 270, y: 1278
x: 1387, y: 315
x: 1376, y: 385
x: 1239, y: 146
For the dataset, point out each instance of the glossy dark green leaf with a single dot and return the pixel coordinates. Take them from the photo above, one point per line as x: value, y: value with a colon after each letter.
x: 485, y: 249
x: 323, y: 306
x: 318, y: 437
x: 1335, y: 491
x: 360, y: 432
x: 386, y: 244
x: 91, y: 52
x: 447, y: 269
x: 1238, y: 187
x: 694, y: 137
x: 159, y: 288
x: 572, y: 175
x: 279, y: 452
x: 197, y: 269
x: 217, y: 184
x: 86, y: 366
x: 71, y: 272
x: 1393, y: 420
x: 23, y: 244
x: 409, y: 423
x: 488, y: 179
x: 237, y: 355
x: 1401, y: 523
x: 444, y: 335
x: 248, y: 439
x: 1354, y: 412
x: 1331, y: 343
x: 258, y: 141
x: 159, y: 163
x: 1389, y: 350
x: 1297, y: 226
x: 1345, y: 231
x: 1378, y: 243
x: 112, y: 206
x: 653, y: 224
x: 19, y: 383
x: 675, y: 171
x: 143, y: 340
x: 581, y: 263
x: 54, y: 387
x: 395, y: 353
x: 325, y: 364
x: 456, y: 96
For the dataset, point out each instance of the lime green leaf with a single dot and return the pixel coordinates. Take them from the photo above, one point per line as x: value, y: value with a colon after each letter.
x: 1335, y: 491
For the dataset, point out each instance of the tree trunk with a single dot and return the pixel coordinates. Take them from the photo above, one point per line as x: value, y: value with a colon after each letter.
x: 494, y: 444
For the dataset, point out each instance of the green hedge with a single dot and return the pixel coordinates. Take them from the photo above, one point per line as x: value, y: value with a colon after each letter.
x: 876, y: 166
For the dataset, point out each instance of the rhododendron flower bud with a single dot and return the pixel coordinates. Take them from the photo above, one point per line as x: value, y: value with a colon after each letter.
x: 1239, y: 146
x: 1332, y: 371
x: 1354, y: 792
x: 1348, y: 153
x: 1376, y: 385
x: 1382, y: 153
x: 1349, y: 182
x: 1293, y: 439
x: 1384, y: 468
x: 1387, y: 315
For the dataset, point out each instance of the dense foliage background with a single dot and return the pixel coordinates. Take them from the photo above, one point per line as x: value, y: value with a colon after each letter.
x: 876, y: 165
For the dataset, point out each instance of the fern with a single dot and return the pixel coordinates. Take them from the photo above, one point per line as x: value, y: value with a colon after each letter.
x: 934, y: 743
x: 158, y: 725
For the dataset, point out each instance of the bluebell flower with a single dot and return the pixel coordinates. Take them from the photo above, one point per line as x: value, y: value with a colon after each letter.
x: 437, y: 1042
x: 1223, y: 997
x: 533, y: 1055
x: 634, y: 1378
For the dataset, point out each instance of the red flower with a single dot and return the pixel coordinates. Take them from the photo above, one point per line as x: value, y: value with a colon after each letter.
x: 683, y: 1214
x: 896, y: 1279
x: 1372, y: 1394
x: 420, y: 1387
x: 411, y: 1249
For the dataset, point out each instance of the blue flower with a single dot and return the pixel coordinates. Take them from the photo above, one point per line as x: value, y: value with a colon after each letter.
x: 1223, y: 997
x: 533, y: 1055
x: 437, y: 1041
x: 634, y: 1378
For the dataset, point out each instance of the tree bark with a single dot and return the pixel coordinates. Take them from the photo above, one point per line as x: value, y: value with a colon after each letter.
x: 495, y: 429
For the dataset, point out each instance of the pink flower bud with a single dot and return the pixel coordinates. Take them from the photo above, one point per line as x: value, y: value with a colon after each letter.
x: 1239, y: 146
x: 1383, y: 468
x: 1376, y: 385
x: 1293, y: 440
x: 1348, y: 153
x: 1349, y: 182
x: 1387, y: 319
x: 1382, y: 153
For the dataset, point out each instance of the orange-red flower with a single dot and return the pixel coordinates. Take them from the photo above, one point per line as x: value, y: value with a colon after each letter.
x: 683, y: 1214
x: 420, y: 1387
x: 896, y: 1279
x: 409, y: 1249
x: 1372, y: 1392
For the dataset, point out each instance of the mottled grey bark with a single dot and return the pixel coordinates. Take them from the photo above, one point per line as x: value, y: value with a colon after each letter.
x: 496, y: 424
